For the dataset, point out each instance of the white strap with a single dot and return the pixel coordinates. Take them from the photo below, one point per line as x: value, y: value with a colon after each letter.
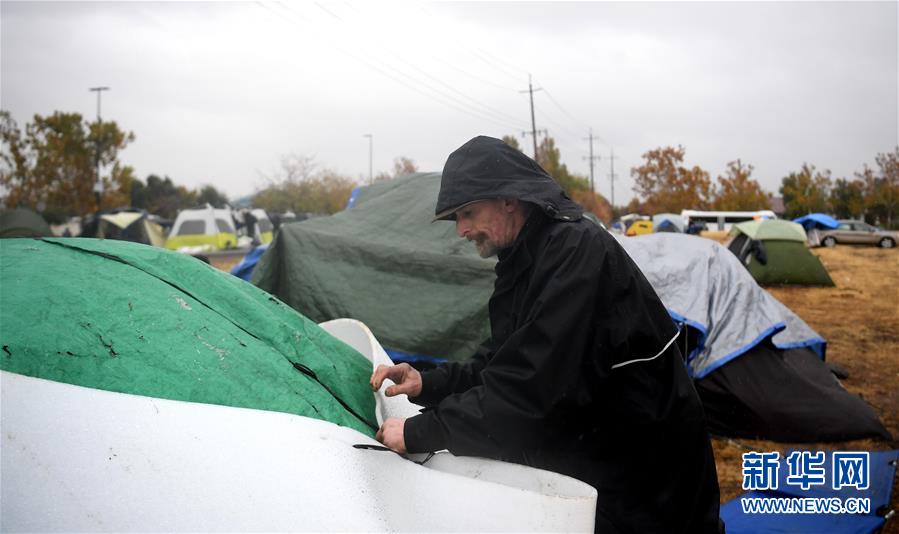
x: 622, y: 364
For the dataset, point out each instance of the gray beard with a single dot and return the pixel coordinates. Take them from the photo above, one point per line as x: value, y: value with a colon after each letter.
x: 487, y: 248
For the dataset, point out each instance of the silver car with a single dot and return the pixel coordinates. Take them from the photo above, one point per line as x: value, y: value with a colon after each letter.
x: 858, y: 233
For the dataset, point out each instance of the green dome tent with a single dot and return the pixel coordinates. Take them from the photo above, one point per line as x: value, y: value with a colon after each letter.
x: 22, y: 222
x: 775, y: 252
x: 131, y: 318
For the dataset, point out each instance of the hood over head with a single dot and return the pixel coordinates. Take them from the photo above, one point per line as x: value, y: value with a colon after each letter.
x: 486, y: 168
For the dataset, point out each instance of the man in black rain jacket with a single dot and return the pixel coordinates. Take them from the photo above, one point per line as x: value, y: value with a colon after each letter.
x: 582, y: 374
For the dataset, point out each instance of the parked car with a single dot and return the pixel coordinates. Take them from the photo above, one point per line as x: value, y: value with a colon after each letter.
x: 859, y: 233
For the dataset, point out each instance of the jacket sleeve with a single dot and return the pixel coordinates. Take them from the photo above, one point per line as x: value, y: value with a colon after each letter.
x: 533, y: 371
x: 452, y: 377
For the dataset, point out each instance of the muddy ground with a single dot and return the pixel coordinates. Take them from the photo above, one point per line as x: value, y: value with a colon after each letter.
x: 859, y: 318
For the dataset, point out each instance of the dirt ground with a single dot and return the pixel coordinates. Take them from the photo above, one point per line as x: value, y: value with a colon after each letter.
x: 859, y: 318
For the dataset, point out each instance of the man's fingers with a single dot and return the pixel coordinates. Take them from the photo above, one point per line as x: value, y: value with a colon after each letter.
x: 377, y: 378
x: 393, y: 372
x: 398, y: 389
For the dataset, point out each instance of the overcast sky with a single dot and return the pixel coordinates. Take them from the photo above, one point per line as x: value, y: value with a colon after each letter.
x: 217, y: 93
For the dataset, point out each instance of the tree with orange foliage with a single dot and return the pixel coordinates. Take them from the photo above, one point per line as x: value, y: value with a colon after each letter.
x: 737, y: 191
x: 52, y: 167
x: 666, y: 185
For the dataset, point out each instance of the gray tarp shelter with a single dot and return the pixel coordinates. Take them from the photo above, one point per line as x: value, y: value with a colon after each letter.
x: 423, y: 292
x: 703, y: 285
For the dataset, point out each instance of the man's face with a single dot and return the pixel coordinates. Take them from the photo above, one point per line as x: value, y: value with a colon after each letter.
x: 489, y: 223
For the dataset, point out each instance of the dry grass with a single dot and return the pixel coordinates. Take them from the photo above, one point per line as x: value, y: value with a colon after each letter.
x: 225, y: 263
x: 859, y: 318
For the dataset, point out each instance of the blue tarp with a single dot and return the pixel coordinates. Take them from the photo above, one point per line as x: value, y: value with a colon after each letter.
x: 882, y: 470
x: 244, y: 269
x: 816, y: 220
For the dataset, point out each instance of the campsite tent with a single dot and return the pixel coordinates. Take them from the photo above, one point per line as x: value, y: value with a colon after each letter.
x: 667, y: 222
x: 814, y: 223
x: 22, y: 222
x: 202, y: 230
x: 264, y: 229
x: 816, y: 220
x: 125, y: 385
x: 758, y: 367
x: 424, y: 292
x: 126, y: 224
x: 775, y: 252
x: 421, y: 289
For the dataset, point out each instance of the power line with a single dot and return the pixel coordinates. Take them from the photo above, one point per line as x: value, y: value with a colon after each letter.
x: 385, y: 69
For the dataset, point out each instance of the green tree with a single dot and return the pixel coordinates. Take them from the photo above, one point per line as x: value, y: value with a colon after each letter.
x: 882, y: 190
x: 737, y: 191
x: 847, y: 198
x: 210, y: 195
x: 576, y: 186
x: 403, y: 166
x: 511, y: 141
x: 52, y: 166
x: 805, y: 191
x: 666, y: 185
x: 301, y: 188
x: 161, y: 196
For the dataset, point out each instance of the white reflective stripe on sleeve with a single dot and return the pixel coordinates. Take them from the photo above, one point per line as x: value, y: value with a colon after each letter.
x: 670, y: 341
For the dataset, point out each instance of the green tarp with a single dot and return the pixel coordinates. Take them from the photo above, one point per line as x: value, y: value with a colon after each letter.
x: 418, y: 287
x: 131, y: 318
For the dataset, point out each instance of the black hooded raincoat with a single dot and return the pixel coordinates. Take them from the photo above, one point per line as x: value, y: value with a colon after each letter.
x: 582, y: 374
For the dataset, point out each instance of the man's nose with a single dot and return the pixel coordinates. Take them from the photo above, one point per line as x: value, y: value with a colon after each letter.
x: 461, y: 228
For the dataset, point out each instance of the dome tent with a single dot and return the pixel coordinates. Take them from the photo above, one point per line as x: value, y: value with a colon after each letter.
x: 775, y: 252
x: 22, y: 222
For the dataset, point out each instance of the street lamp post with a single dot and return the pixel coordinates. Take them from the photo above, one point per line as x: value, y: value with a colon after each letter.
x: 370, y: 144
x: 98, y: 185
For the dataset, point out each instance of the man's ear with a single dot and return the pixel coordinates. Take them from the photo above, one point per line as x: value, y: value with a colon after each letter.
x: 510, y: 205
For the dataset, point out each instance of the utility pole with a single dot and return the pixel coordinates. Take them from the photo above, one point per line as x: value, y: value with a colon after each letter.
x: 533, y: 122
x: 370, y: 144
x: 592, y: 158
x: 612, y: 175
x: 98, y: 185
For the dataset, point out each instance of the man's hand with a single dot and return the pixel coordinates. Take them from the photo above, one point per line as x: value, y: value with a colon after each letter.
x: 391, y: 434
x: 406, y: 378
